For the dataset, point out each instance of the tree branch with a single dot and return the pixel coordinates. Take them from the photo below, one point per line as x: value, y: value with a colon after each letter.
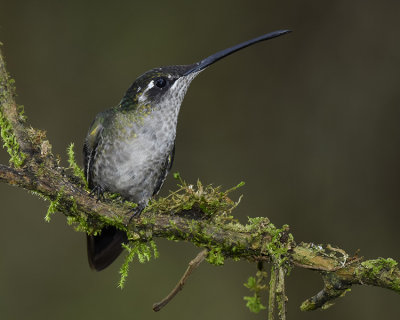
x: 200, y: 215
x: 193, y: 265
x: 12, y: 119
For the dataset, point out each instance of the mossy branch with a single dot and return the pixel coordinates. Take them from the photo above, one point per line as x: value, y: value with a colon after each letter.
x: 198, y: 214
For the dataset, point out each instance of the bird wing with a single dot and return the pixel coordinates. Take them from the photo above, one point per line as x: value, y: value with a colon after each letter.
x: 102, y: 249
x: 92, y: 141
x: 166, y: 167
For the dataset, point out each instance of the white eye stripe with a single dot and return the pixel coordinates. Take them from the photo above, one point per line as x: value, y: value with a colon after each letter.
x: 143, y: 96
x: 150, y: 85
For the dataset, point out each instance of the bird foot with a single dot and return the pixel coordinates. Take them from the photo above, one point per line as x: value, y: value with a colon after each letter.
x: 98, y: 192
x: 136, y: 211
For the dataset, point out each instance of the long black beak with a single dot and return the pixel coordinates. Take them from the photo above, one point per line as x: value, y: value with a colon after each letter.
x: 226, y: 52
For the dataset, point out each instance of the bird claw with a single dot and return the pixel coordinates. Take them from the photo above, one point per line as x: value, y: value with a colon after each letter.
x: 136, y: 211
x: 98, y: 191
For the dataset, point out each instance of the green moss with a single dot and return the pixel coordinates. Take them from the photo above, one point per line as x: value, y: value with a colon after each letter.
x: 143, y: 250
x: 172, y: 238
x: 211, y: 201
x: 218, y: 208
x: 54, y: 206
x: 10, y: 143
x: 308, y: 305
x: 277, y: 243
x: 254, y: 303
x: 75, y: 218
x: 21, y: 113
x: 278, y: 247
x: 395, y: 285
x: 154, y: 248
x: 151, y: 220
x: 82, y: 223
x: 7, y: 90
x: 378, y: 264
x: 124, y: 270
x: 375, y: 269
x: 256, y: 284
x: 116, y: 198
x: 172, y: 224
x: 215, y: 257
x: 39, y: 195
x: 77, y: 170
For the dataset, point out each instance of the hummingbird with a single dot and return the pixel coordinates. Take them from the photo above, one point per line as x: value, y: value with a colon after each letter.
x: 129, y: 149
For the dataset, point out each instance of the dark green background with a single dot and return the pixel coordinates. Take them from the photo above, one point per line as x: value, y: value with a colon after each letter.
x: 310, y: 121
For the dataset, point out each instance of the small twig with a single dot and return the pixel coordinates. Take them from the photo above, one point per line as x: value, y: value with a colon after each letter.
x: 272, y: 292
x: 192, y: 266
x: 334, y: 288
x: 280, y: 294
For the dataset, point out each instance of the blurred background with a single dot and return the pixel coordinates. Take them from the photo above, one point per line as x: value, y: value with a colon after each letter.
x: 310, y: 122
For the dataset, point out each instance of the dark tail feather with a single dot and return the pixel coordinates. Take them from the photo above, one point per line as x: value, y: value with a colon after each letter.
x: 105, y: 248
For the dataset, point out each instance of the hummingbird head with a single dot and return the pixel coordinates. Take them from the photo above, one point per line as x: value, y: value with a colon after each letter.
x: 156, y: 86
x: 167, y: 86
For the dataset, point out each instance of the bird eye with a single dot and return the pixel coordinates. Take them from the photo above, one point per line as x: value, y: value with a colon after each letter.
x: 161, y: 82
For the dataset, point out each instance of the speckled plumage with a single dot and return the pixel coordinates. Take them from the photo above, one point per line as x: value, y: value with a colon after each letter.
x: 132, y: 150
x: 129, y: 149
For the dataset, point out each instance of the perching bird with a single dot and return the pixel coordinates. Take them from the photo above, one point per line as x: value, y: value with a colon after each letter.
x: 129, y: 149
